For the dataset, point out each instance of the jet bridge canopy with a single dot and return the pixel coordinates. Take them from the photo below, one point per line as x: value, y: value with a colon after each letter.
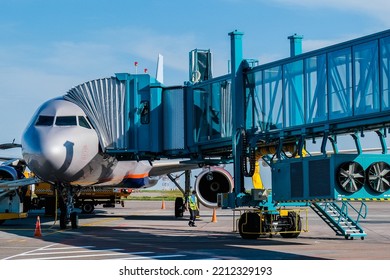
x: 125, y: 110
x: 337, y: 89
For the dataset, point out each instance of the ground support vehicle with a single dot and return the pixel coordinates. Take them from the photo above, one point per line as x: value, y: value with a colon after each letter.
x: 86, y: 199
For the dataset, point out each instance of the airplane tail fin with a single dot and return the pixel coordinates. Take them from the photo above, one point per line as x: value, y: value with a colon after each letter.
x: 160, y: 69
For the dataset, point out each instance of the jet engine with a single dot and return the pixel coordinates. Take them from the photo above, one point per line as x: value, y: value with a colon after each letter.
x: 8, y: 173
x: 210, y: 182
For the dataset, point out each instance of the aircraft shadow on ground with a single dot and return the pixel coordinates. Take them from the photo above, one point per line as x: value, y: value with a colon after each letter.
x: 189, y: 243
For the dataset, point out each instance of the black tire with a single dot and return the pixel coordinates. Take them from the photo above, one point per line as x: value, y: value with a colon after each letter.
x: 63, y: 220
x: 296, y: 225
x: 249, y: 225
x: 87, y: 208
x: 179, y: 207
x: 1, y: 222
x: 74, y: 220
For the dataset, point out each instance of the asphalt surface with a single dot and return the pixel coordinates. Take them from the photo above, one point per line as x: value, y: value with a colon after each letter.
x: 143, y: 230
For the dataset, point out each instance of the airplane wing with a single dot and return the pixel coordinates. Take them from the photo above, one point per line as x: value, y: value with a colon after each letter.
x: 163, y: 168
x: 7, y: 146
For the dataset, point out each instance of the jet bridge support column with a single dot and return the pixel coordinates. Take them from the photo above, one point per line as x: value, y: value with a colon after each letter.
x: 295, y: 44
x: 238, y: 106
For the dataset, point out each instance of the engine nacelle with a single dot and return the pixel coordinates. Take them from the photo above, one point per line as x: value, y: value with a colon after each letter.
x: 210, y: 182
x: 8, y: 173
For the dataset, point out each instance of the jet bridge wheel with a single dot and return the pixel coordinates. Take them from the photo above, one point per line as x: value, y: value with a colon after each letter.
x: 350, y: 176
x: 295, y: 226
x: 249, y: 225
x: 378, y: 176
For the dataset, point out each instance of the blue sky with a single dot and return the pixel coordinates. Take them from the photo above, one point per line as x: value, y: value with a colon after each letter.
x: 47, y: 47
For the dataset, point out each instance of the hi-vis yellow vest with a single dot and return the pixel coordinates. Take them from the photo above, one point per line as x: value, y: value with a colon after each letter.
x: 192, y: 201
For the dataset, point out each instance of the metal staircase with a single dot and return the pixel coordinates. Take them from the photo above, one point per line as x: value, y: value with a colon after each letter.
x: 338, y: 219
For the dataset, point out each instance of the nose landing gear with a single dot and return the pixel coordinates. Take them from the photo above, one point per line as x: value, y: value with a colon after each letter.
x: 68, y: 215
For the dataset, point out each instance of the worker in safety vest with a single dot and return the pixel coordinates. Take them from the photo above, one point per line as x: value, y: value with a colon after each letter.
x: 193, y: 207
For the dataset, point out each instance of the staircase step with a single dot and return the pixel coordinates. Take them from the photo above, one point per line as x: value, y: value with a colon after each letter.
x: 338, y: 221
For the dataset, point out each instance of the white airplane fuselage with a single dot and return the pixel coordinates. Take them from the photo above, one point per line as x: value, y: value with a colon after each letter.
x: 60, y: 146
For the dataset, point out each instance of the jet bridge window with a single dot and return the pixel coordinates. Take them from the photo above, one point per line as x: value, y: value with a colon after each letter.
x: 45, y: 121
x: 66, y: 121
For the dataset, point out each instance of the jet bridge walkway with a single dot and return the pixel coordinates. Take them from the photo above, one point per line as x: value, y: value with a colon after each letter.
x: 269, y: 111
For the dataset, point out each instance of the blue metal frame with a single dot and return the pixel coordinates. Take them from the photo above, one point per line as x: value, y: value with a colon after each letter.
x: 337, y: 89
x: 341, y: 89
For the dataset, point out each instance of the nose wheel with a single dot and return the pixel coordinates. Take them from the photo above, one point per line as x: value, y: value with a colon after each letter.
x: 68, y: 215
x: 73, y: 220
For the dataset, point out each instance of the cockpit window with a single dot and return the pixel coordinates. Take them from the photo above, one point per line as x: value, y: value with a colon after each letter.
x: 83, y: 122
x: 44, y: 121
x: 66, y: 121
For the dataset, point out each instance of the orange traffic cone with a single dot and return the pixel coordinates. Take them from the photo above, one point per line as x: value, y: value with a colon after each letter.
x: 163, y: 204
x: 38, y: 232
x: 214, y: 218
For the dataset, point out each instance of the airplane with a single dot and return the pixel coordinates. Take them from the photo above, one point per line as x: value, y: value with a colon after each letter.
x: 60, y: 146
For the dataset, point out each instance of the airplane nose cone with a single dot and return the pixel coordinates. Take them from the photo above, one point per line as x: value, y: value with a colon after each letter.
x: 49, y: 153
x: 56, y: 146
x: 44, y: 156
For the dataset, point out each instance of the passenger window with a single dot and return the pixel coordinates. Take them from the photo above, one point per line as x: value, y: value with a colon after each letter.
x: 44, y: 121
x: 66, y: 121
x: 83, y: 122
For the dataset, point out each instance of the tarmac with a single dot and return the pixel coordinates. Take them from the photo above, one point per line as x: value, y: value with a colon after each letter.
x: 148, y: 230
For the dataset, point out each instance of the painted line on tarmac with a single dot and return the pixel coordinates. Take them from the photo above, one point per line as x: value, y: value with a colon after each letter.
x: 71, y: 252
x: 154, y: 257
x: 68, y: 248
x: 79, y: 256
x: 91, y: 255
x: 28, y: 252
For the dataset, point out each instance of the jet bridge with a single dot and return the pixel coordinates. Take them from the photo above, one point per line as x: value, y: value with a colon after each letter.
x: 267, y: 111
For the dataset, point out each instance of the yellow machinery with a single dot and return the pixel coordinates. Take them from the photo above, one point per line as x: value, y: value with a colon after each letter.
x: 45, y: 195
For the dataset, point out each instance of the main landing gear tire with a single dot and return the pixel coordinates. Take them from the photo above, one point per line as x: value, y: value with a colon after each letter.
x: 63, y: 221
x: 74, y: 220
x: 249, y: 225
x: 179, y: 207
